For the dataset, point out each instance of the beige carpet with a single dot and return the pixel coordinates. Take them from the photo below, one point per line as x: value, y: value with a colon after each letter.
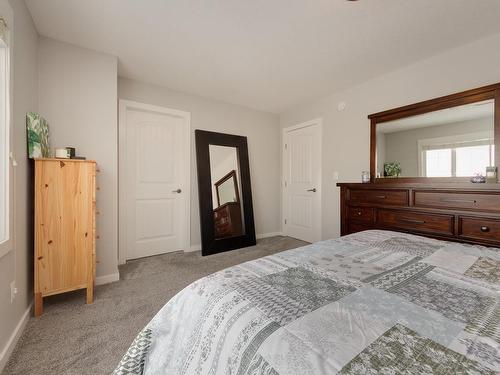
x: 74, y: 338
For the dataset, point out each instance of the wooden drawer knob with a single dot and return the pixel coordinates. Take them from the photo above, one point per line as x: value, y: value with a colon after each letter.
x: 485, y: 229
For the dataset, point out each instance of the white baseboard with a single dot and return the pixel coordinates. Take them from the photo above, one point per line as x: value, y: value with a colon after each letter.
x: 14, y: 338
x: 266, y: 235
x: 197, y: 247
x: 106, y: 279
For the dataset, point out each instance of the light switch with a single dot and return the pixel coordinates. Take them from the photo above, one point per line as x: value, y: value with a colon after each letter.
x: 336, y: 175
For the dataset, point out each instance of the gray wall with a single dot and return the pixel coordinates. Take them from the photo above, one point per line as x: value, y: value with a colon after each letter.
x: 78, y: 97
x: 261, y: 128
x: 402, y: 146
x: 17, y: 265
x: 346, y: 134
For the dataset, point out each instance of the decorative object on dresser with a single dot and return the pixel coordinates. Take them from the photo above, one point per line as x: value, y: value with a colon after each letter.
x: 225, y: 193
x: 491, y: 175
x: 365, y: 177
x: 392, y: 169
x: 456, y: 212
x: 64, y: 228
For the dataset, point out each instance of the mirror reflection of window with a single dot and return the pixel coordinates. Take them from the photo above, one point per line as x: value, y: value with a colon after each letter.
x: 438, y: 163
x: 453, y: 142
x: 226, y: 191
x: 459, y: 160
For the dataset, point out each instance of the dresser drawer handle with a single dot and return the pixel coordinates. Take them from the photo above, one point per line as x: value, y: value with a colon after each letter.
x: 411, y: 221
x: 381, y: 196
x: 485, y: 229
x: 359, y: 213
x: 451, y: 200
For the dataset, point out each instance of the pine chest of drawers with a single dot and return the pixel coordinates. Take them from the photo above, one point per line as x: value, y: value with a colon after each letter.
x: 65, y: 221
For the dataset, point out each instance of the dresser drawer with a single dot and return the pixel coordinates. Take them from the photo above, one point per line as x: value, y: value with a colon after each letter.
x: 416, y: 221
x: 451, y: 200
x: 479, y: 228
x: 220, y: 214
x: 354, y: 227
x: 361, y: 214
x: 385, y: 197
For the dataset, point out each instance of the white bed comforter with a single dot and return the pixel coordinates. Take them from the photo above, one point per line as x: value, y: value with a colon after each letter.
x: 375, y: 302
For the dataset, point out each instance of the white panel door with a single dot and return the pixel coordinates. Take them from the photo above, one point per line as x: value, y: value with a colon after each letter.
x: 155, y: 182
x: 302, y: 179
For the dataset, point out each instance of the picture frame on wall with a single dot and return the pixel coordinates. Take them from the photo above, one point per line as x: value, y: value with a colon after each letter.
x: 37, y: 133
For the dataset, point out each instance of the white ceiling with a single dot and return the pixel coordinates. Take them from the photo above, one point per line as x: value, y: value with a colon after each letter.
x: 264, y: 54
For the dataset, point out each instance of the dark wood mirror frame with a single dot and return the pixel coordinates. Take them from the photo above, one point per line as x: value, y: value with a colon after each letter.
x: 448, y: 101
x: 210, y: 245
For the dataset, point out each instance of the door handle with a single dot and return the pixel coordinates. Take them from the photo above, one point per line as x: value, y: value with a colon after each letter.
x: 452, y: 200
x: 313, y: 190
x: 411, y: 221
x: 178, y: 191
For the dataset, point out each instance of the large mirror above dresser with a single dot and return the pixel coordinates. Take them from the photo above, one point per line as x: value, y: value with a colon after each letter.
x: 423, y: 158
x: 451, y: 138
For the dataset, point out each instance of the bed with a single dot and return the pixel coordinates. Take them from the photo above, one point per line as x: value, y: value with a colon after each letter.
x: 374, y: 302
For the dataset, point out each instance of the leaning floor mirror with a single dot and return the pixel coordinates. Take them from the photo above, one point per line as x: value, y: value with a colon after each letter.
x: 225, y: 194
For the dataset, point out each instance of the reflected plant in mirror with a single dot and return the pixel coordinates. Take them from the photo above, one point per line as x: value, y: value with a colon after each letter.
x: 452, y: 142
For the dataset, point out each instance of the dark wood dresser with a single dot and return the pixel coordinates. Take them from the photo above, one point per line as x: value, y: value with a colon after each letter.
x: 462, y: 212
x: 227, y: 220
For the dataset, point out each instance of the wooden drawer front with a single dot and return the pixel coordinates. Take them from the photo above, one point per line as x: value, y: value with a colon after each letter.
x: 416, y: 221
x: 358, y: 227
x: 385, y: 197
x: 361, y: 214
x: 466, y: 201
x: 479, y: 228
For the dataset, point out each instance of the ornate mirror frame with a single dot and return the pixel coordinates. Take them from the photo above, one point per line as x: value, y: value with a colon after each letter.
x: 466, y: 97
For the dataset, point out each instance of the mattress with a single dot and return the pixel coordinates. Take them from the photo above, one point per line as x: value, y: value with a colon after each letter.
x: 375, y: 302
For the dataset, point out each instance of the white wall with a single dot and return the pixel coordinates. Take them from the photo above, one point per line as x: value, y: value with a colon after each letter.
x: 261, y: 128
x: 78, y: 97
x: 346, y: 134
x: 17, y: 265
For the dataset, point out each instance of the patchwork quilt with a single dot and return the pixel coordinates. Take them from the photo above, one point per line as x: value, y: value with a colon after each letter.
x: 374, y: 302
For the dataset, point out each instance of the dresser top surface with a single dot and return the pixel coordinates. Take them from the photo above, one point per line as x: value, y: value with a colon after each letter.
x: 66, y: 160
x: 463, y: 186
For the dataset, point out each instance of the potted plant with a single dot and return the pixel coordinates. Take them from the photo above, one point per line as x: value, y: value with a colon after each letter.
x: 392, y: 169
